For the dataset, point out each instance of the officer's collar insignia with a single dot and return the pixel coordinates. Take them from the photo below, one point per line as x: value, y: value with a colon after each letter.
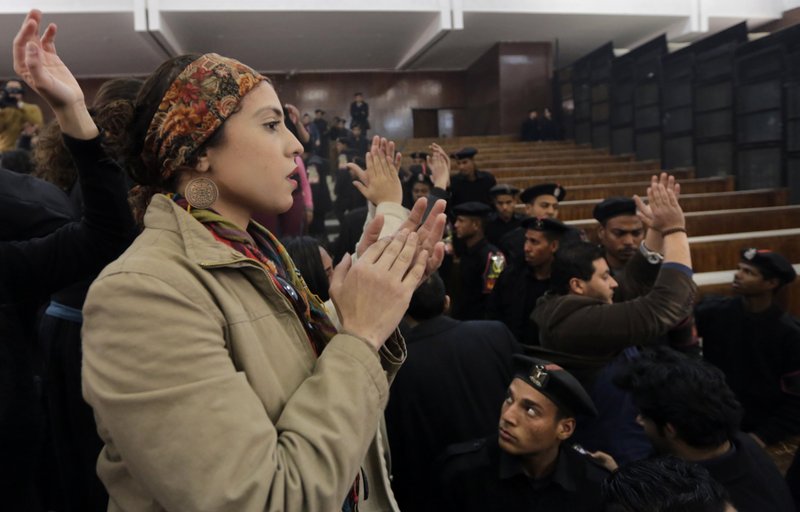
x: 539, y: 375
x: 750, y: 253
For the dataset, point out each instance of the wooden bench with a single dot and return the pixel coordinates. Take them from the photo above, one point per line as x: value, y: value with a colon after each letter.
x: 719, y: 283
x: 555, y: 171
x: 578, y: 179
x: 603, y: 190
x: 574, y: 210
x: 722, y: 221
x: 535, y: 161
x: 714, y: 252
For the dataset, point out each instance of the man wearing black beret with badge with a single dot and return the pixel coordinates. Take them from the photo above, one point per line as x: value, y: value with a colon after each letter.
x: 529, y: 465
x: 541, y: 201
x: 479, y: 262
x: 470, y: 184
x: 757, y: 346
x: 519, y: 287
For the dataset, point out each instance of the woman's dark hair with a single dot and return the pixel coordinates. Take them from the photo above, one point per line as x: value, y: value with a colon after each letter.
x: 663, y: 485
x: 691, y: 395
x: 428, y: 299
x: 53, y: 162
x: 304, y: 251
x: 573, y: 260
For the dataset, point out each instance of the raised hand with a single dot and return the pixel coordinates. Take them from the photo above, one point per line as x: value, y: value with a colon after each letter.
x: 439, y: 164
x: 662, y: 210
x: 36, y: 61
x: 429, y: 232
x: 380, y: 183
x: 372, y: 294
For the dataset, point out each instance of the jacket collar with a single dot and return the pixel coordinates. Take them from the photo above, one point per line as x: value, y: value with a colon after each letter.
x: 428, y: 328
x: 200, y: 245
x: 510, y: 466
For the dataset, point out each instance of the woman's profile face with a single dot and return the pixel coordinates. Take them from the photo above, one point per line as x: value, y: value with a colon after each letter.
x: 252, y: 164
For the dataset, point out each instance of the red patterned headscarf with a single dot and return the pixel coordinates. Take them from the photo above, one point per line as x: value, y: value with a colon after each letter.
x: 196, y: 104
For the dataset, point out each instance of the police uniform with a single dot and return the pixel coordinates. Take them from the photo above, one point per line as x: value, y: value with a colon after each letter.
x: 463, y: 190
x: 759, y: 353
x: 496, y: 227
x: 478, y: 269
x: 512, y: 243
x: 359, y: 115
x: 608, y: 209
x: 514, y: 296
x: 480, y: 476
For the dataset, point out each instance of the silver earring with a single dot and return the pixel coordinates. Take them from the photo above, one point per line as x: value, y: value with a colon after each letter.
x: 201, y: 193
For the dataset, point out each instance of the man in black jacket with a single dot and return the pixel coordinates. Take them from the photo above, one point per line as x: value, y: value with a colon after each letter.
x: 757, y: 346
x: 448, y: 391
x: 528, y: 464
x: 688, y: 411
x: 519, y: 287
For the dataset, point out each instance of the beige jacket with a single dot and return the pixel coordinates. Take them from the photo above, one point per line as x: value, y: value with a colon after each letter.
x: 206, y: 391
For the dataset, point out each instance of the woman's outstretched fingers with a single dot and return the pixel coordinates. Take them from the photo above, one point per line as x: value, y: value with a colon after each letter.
x: 417, y: 272
x: 392, y: 250
x: 406, y: 256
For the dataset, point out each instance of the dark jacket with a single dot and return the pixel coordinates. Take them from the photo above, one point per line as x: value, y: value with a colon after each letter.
x: 590, y: 327
x: 513, y: 299
x: 496, y: 228
x: 760, y: 356
x: 449, y: 390
x: 359, y: 114
x: 479, y: 476
x: 31, y: 270
x: 751, y: 478
x: 463, y: 190
x: 478, y: 270
x: 31, y: 208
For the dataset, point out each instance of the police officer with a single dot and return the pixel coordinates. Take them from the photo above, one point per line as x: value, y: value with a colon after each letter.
x: 620, y: 233
x: 529, y: 464
x: 479, y: 262
x: 519, y: 287
x: 541, y: 201
x: 470, y: 184
x: 503, y: 219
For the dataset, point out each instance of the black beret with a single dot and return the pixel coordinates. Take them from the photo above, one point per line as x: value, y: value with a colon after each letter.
x: 472, y: 209
x: 555, y: 383
x: 545, y: 224
x: 551, y: 189
x: 421, y: 177
x: 419, y: 154
x: 503, y: 189
x: 613, y: 207
x: 464, y: 153
x: 771, y: 263
x: 319, y: 111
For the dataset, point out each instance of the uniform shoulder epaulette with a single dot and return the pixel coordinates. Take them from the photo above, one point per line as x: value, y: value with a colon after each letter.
x: 463, y: 448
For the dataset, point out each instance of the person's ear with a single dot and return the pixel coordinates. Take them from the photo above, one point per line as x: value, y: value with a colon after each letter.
x: 446, y: 308
x: 554, y: 245
x: 202, y: 164
x: 565, y: 428
x: 670, y: 432
x: 577, y: 286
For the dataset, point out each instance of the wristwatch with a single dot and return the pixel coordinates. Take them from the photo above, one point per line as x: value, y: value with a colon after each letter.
x: 652, y: 257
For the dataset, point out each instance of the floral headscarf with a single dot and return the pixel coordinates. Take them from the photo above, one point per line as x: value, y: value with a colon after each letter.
x: 196, y: 104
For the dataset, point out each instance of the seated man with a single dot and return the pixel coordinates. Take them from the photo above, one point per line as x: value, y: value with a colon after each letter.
x: 503, y: 219
x: 664, y: 484
x: 447, y: 392
x: 757, y: 346
x: 529, y: 465
x: 479, y: 262
x: 688, y: 411
x: 578, y: 317
x: 519, y: 287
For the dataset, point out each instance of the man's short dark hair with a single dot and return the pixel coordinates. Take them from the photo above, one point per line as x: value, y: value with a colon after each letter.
x: 689, y: 394
x: 573, y: 260
x: 664, y: 484
x: 428, y: 300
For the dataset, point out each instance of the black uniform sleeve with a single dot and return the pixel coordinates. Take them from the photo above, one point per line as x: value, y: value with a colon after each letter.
x: 38, y: 267
x: 784, y: 421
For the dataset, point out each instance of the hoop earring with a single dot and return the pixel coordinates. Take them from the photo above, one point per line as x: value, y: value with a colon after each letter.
x: 201, y: 193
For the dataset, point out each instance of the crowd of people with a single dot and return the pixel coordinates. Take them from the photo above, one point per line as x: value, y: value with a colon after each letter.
x: 180, y: 333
